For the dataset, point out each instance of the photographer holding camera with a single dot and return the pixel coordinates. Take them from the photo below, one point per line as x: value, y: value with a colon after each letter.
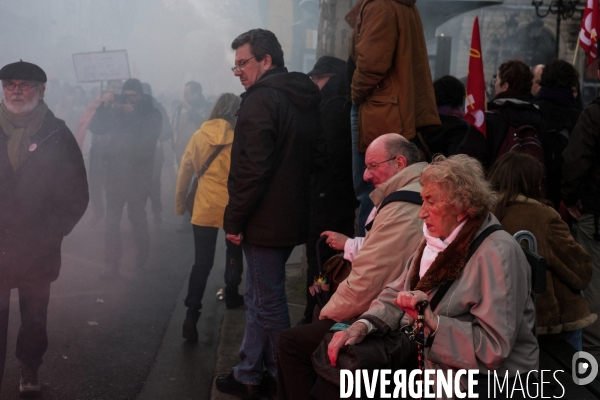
x: 132, y: 126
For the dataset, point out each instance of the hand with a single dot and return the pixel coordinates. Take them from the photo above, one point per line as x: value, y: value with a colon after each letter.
x: 353, y: 335
x: 408, y: 301
x: 108, y: 98
x: 575, y: 210
x: 235, y: 239
x: 127, y: 108
x: 335, y: 240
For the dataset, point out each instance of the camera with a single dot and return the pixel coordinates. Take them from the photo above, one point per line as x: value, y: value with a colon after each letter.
x: 120, y: 99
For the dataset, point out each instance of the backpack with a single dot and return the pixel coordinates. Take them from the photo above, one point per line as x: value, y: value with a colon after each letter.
x: 523, y: 139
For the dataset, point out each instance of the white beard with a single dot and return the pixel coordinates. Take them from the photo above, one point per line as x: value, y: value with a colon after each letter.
x: 20, y: 107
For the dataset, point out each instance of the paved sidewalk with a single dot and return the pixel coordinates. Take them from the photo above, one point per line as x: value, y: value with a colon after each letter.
x: 234, y: 322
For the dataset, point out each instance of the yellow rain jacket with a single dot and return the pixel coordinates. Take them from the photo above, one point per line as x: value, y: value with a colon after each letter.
x: 211, y: 196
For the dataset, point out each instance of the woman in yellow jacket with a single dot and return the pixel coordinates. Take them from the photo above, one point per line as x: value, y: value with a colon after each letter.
x: 209, y: 207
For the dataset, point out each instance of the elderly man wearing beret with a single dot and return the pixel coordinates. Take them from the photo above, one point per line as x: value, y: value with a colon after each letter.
x: 44, y: 194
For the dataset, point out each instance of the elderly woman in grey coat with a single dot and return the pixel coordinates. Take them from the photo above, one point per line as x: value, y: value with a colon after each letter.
x: 485, y: 319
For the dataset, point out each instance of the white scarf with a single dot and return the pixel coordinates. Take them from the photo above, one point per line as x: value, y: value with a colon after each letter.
x: 435, y: 246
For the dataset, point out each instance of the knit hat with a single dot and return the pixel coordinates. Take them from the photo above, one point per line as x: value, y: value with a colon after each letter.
x: 328, y: 65
x: 23, y: 70
x: 133, y: 84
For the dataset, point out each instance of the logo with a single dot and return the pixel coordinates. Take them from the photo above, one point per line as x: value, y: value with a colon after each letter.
x: 584, y: 368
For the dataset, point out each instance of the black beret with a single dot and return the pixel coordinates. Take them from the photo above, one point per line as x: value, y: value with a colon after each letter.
x: 133, y: 84
x: 23, y: 70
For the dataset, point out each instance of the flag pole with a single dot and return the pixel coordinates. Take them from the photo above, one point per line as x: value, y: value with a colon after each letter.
x: 575, y: 55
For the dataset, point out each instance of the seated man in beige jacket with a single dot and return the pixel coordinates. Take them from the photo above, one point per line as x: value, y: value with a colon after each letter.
x: 391, y: 165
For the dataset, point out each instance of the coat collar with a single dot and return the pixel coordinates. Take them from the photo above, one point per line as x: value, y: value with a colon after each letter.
x: 353, y: 18
x: 260, y: 82
x: 408, y: 175
x: 449, y: 263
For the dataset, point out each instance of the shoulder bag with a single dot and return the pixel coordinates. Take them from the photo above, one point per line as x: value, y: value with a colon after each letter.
x: 189, y: 200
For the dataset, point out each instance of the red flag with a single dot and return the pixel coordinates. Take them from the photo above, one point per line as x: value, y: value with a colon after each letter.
x: 588, y: 34
x: 475, y: 99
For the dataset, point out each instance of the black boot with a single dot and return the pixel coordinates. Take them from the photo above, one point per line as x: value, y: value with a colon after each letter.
x: 232, y: 298
x: 189, y: 325
x: 228, y: 384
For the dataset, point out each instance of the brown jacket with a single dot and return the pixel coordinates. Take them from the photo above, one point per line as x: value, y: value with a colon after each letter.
x: 392, y: 81
x: 395, y: 235
x: 561, y: 307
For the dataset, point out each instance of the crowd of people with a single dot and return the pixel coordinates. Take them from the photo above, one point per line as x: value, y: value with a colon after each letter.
x: 433, y: 228
x: 301, y: 156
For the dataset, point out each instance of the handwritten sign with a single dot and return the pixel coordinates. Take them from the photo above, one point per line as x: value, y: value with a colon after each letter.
x: 101, y: 66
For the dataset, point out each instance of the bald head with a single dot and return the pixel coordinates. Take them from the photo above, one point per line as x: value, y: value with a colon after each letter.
x: 395, y: 144
x: 386, y: 156
x: 537, y: 78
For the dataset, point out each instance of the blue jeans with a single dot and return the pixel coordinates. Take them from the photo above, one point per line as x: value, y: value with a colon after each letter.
x: 362, y: 189
x: 267, y: 312
x: 32, y: 340
x: 574, y: 338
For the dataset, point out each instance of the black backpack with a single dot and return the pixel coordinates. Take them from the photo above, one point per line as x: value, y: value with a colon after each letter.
x: 522, y: 139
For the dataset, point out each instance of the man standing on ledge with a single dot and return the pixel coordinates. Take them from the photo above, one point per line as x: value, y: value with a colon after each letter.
x: 44, y: 192
x: 268, y: 208
x: 391, y: 86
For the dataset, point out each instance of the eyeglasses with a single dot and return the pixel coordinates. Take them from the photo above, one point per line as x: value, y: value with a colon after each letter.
x: 240, y: 66
x: 23, y: 86
x: 373, y: 166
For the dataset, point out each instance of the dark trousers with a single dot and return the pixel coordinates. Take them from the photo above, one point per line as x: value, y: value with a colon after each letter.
x: 205, y: 241
x: 96, y: 176
x: 295, y: 373
x: 136, y: 210
x: 155, y: 199
x: 32, y: 340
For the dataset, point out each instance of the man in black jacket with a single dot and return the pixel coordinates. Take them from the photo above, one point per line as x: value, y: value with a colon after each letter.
x: 332, y: 203
x: 450, y: 101
x: 560, y: 113
x: 44, y: 194
x: 268, y: 210
x: 581, y: 194
x: 132, y: 125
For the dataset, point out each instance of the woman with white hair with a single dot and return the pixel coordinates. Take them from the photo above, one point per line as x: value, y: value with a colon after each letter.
x: 485, y: 318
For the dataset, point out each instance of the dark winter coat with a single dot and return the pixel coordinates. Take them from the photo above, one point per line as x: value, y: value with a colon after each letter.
x: 271, y: 160
x: 40, y: 204
x: 581, y: 162
x: 445, y: 139
x: 512, y: 112
x: 129, y: 153
x: 560, y: 114
x: 334, y: 185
